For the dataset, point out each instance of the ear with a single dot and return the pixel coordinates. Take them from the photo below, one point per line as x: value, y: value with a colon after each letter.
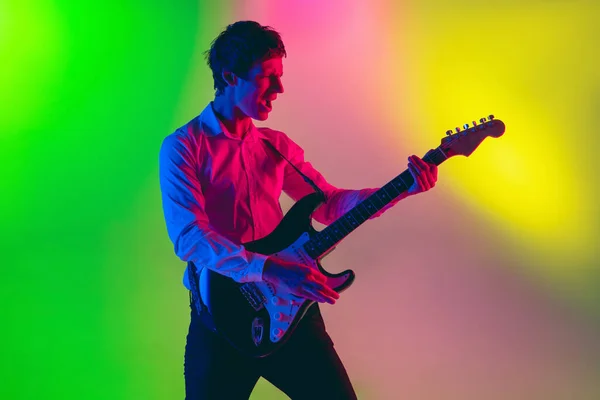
x: 229, y: 77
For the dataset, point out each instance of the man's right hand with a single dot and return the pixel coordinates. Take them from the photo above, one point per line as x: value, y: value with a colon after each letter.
x: 299, y: 280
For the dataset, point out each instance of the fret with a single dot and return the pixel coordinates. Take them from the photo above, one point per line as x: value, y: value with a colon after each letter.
x: 407, y: 186
x: 382, y: 196
x: 335, y: 233
x: 372, y: 208
x: 351, y: 220
x: 355, y: 216
x: 385, y: 188
x: 362, y: 204
x: 399, y: 185
x: 342, y: 221
x: 327, y: 237
x: 375, y: 196
x: 344, y: 226
x: 359, y: 213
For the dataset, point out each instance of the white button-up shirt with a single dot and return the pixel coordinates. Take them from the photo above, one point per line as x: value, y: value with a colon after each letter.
x: 220, y: 191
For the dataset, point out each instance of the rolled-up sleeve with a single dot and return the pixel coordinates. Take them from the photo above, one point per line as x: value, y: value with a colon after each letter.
x: 187, y: 224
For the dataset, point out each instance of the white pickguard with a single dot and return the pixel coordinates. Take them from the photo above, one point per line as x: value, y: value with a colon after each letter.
x: 282, y: 305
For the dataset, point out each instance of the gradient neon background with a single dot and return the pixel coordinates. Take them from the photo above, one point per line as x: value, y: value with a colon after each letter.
x: 486, y: 287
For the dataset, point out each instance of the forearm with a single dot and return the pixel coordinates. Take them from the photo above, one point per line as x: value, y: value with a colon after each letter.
x: 207, y: 248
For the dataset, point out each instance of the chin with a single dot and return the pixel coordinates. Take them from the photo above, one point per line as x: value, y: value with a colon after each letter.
x: 261, y: 116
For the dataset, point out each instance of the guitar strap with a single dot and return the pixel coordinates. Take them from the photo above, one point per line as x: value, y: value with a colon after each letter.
x: 306, y: 178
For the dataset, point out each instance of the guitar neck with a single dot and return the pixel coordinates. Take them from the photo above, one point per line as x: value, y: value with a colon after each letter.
x: 324, y: 240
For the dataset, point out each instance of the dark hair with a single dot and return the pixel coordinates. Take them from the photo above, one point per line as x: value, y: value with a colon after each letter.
x: 239, y: 47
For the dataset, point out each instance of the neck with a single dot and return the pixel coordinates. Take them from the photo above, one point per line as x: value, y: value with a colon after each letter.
x: 236, y: 123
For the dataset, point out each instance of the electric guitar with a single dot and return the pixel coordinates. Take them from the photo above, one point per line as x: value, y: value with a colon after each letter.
x: 256, y: 317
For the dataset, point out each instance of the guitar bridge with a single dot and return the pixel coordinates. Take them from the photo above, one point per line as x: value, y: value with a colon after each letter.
x: 253, y: 295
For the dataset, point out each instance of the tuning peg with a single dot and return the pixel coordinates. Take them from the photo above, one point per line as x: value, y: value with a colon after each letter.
x: 474, y: 124
x: 449, y: 132
x: 457, y: 129
x: 491, y: 117
x: 466, y: 126
x: 482, y: 120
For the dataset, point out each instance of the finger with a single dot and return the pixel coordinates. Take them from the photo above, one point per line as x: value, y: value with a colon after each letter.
x: 433, y: 172
x: 413, y: 171
x: 321, y: 288
x: 415, y: 175
x: 324, y: 290
x: 432, y: 176
x: 420, y: 166
x: 317, y: 276
x: 418, y: 177
x: 329, y: 292
x: 432, y: 179
x: 412, y: 161
x: 423, y: 165
x: 305, y: 293
x: 313, y: 294
x: 424, y: 181
x: 419, y: 162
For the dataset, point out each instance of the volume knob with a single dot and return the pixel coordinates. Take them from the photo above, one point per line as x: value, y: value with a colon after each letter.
x: 275, y: 301
x: 277, y: 333
x: 281, y: 317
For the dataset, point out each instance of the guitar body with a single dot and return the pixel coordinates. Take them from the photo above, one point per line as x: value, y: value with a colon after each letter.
x: 256, y: 317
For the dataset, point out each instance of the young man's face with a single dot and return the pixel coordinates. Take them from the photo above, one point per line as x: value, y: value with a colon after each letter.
x: 254, y: 96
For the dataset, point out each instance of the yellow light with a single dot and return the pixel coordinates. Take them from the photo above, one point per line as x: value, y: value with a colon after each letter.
x: 524, y: 65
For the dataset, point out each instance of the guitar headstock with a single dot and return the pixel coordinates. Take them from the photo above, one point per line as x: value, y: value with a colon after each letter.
x: 464, y: 142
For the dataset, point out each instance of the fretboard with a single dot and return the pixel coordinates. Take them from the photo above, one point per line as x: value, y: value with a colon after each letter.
x: 321, y: 242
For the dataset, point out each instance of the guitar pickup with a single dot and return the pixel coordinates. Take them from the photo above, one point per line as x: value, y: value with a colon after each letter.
x: 253, y: 295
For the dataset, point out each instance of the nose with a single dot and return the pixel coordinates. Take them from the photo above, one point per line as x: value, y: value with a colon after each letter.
x: 278, y: 86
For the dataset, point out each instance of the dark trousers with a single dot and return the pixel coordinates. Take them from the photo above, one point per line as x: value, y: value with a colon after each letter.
x: 306, y: 367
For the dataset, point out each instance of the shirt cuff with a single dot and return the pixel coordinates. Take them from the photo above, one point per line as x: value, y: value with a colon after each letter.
x: 256, y: 263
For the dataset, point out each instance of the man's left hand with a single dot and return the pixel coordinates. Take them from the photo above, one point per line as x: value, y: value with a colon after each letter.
x: 424, y: 174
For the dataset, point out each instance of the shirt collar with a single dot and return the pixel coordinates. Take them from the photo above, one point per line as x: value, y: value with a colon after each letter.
x: 213, y: 126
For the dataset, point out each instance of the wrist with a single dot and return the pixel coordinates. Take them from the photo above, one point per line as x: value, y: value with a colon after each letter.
x: 267, y: 269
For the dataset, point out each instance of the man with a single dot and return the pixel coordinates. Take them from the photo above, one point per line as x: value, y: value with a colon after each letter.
x: 220, y: 188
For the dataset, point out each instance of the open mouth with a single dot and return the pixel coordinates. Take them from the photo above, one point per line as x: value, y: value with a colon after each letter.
x: 267, y: 105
